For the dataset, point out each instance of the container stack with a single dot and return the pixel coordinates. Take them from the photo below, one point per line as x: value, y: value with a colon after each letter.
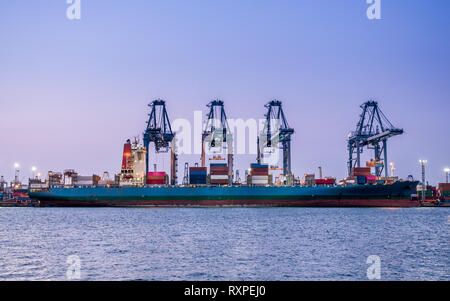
x: 197, y: 175
x: 444, y: 194
x: 430, y: 192
x: 218, y: 173
x: 156, y: 178
x: 362, y: 175
x: 360, y: 171
x: 259, y: 174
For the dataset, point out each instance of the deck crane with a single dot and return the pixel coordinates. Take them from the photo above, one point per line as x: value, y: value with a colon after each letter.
x: 159, y: 131
x: 216, y: 133
x: 372, y: 131
x: 282, y: 133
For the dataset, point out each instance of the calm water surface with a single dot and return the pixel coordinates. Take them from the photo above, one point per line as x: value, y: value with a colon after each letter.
x: 224, y: 243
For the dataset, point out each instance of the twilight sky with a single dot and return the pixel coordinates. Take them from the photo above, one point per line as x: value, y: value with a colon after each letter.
x: 72, y: 91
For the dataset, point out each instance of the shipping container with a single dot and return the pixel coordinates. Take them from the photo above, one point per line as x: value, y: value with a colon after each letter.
x: 361, y: 180
x: 219, y: 168
x: 219, y: 177
x: 259, y: 169
x: 325, y: 181
x: 256, y: 165
x: 360, y: 171
x: 197, y: 173
x: 153, y: 182
x: 156, y: 177
x: 156, y: 173
x: 218, y: 164
x: 259, y: 182
x: 219, y: 182
x: 191, y: 169
x: 264, y: 177
x: 254, y: 173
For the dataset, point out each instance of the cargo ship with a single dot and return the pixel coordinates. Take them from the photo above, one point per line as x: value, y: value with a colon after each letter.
x: 135, y: 185
x: 397, y: 194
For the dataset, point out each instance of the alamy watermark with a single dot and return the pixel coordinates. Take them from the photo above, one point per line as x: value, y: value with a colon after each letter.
x: 374, y: 270
x: 73, y: 11
x: 237, y: 136
x: 374, y: 10
x: 74, y: 269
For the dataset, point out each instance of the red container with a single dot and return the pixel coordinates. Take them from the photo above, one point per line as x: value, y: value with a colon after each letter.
x: 259, y: 173
x: 258, y: 169
x: 444, y: 186
x: 156, y: 173
x: 219, y: 182
x: 218, y: 168
x: 218, y: 172
x: 160, y: 178
x: 153, y: 182
x: 361, y: 169
x: 360, y: 174
x: 324, y: 181
x: 197, y: 168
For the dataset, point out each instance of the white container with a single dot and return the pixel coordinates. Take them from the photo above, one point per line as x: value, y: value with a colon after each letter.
x: 219, y: 177
x: 260, y: 178
x: 259, y: 182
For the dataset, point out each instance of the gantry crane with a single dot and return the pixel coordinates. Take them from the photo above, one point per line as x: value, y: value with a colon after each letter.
x: 372, y: 131
x: 282, y: 133
x: 160, y: 133
x: 217, y: 132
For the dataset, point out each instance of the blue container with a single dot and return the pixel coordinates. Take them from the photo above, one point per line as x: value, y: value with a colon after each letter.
x: 197, y: 180
x: 197, y: 177
x: 256, y: 165
x: 218, y: 164
x: 361, y: 179
x: 197, y: 173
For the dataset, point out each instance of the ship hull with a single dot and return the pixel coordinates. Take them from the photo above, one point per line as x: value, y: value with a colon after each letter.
x: 395, y: 195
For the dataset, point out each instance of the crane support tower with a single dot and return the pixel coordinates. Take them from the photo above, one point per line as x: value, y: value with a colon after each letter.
x: 159, y: 131
x: 281, y: 135
x: 372, y: 131
x: 216, y: 133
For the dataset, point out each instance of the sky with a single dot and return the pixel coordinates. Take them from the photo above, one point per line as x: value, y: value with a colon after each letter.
x: 72, y: 91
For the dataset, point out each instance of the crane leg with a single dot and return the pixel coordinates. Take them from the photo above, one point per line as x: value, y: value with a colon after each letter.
x: 377, y: 159
x: 385, y: 158
x: 358, y: 155
x: 203, y: 157
x: 286, y: 157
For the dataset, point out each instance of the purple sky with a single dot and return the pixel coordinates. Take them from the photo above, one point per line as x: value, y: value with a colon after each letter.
x: 71, y: 92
